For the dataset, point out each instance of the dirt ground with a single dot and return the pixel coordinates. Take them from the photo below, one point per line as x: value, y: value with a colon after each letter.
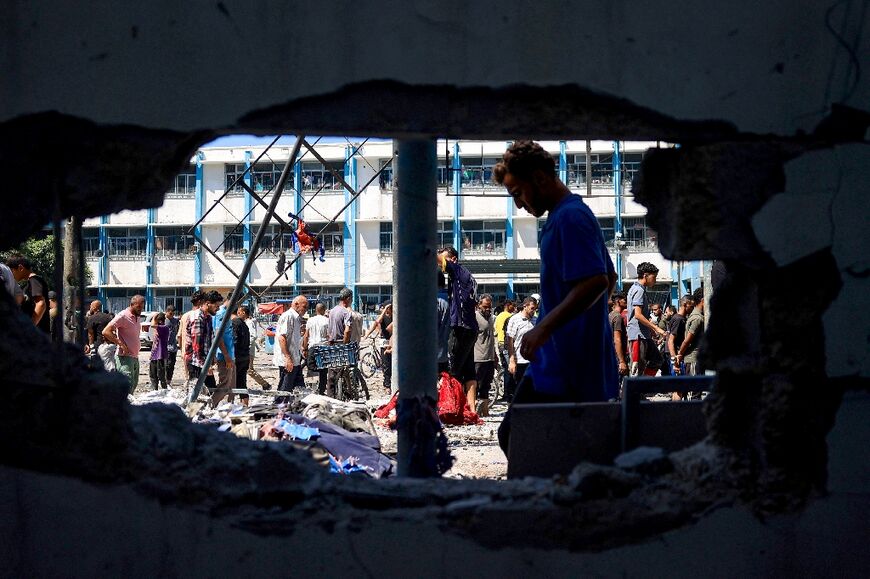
x: 474, y: 448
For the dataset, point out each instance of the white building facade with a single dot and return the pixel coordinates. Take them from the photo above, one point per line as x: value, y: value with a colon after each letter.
x: 154, y: 252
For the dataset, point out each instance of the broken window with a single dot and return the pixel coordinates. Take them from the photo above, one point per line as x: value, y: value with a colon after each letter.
x: 445, y: 233
x: 477, y: 172
x: 91, y: 241
x: 483, y: 238
x: 234, y: 174
x: 234, y: 240
x: 173, y: 243
x: 386, y: 237
x: 264, y: 177
x: 318, y: 177
x: 276, y: 239
x: 368, y: 298
x: 127, y: 242
x: 184, y: 185
x: 178, y: 297
x: 637, y: 235
x: 331, y: 238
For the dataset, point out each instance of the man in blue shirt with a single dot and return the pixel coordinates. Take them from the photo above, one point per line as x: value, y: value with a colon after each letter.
x: 225, y: 356
x: 576, y: 277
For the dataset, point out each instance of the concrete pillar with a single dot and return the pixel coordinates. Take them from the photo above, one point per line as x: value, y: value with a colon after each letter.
x: 149, y: 259
x: 349, y: 230
x: 103, y: 265
x: 199, y: 205
x: 415, y: 224
x: 457, y: 200
x: 297, y: 209
x: 509, y: 241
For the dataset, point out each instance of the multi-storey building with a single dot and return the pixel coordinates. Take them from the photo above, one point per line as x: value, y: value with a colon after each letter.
x: 151, y: 251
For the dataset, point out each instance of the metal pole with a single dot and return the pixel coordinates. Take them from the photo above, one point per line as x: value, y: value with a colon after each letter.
x: 588, y: 167
x: 233, y: 184
x: 82, y: 334
x: 415, y: 226
x: 58, y: 284
x: 617, y: 220
x: 249, y: 262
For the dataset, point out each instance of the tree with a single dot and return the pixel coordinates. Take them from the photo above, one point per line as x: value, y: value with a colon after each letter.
x: 40, y: 251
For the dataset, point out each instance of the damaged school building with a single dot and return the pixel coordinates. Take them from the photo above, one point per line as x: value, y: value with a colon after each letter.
x: 102, y: 108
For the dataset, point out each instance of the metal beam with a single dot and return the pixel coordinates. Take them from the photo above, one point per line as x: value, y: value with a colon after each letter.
x: 337, y: 215
x: 249, y: 262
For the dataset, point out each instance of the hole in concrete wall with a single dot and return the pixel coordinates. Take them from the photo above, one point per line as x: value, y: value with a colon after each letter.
x: 71, y: 420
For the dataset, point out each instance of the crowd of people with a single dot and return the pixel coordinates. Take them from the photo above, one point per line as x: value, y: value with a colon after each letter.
x: 573, y: 342
x: 649, y: 339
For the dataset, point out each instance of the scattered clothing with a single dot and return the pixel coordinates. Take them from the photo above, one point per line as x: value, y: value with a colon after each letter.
x: 452, y: 404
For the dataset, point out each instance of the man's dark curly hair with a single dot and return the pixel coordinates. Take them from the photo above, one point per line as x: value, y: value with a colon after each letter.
x: 214, y: 296
x: 522, y: 159
x: 646, y: 268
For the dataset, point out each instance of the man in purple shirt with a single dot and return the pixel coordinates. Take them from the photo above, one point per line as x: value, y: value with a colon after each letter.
x: 461, y: 293
x: 159, y: 352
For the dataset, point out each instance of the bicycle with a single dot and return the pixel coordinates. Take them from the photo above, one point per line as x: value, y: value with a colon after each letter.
x: 372, y: 360
x: 342, y: 358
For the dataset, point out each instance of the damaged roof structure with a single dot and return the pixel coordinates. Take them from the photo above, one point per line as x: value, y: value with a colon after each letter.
x: 102, y: 104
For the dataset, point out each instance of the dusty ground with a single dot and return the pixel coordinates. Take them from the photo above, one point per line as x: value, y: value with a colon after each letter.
x: 475, y: 448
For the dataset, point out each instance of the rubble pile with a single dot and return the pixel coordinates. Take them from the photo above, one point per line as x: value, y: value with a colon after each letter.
x: 338, y: 435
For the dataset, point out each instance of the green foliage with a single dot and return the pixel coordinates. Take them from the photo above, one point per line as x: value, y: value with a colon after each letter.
x: 40, y: 251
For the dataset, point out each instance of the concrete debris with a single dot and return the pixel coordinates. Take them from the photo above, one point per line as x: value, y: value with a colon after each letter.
x: 645, y: 460
x: 599, y: 482
x: 344, y: 430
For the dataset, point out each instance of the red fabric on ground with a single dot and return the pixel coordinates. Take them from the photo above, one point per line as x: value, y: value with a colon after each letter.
x: 452, y: 404
x: 384, y: 411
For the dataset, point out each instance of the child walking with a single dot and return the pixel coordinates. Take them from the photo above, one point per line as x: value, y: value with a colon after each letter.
x: 159, y: 351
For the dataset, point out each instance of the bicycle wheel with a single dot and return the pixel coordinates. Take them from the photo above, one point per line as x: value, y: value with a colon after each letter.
x: 368, y: 364
x: 361, y: 380
x: 497, y: 385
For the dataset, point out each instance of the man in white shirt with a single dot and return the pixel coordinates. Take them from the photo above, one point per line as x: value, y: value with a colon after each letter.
x: 315, y: 334
x: 287, y: 356
x: 517, y: 326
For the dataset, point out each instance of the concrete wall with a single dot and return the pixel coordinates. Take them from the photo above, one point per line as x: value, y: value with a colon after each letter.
x: 766, y: 68
x: 53, y: 525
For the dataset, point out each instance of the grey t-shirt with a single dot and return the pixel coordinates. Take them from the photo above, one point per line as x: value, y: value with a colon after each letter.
x: 695, y: 325
x: 339, y: 319
x: 484, y: 346
x: 356, y: 326
x: 637, y: 297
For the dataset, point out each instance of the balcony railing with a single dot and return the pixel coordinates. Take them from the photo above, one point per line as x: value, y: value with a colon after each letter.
x: 494, y: 251
x: 635, y: 245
